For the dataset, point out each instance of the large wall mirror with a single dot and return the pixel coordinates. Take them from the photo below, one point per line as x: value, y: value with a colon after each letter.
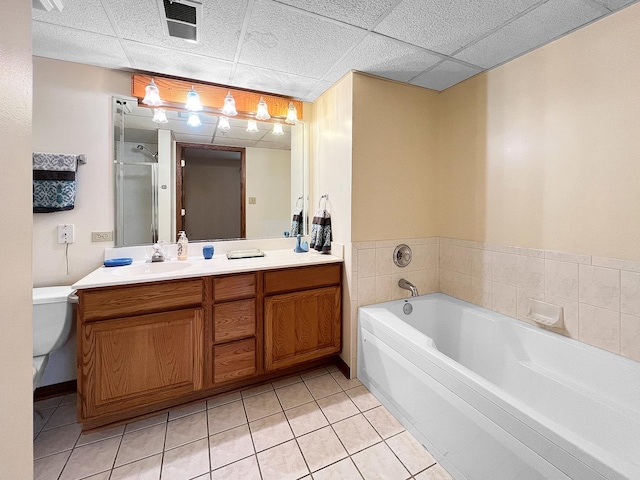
x: 215, y: 184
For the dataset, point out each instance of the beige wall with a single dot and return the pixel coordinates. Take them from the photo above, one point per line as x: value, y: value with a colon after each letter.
x: 394, y: 160
x: 544, y: 151
x: 72, y: 114
x: 16, y: 451
x: 331, y: 146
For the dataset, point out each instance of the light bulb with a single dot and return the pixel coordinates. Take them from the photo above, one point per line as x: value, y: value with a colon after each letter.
x: 263, y: 110
x: 194, y: 120
x: 223, y: 124
x: 229, y: 107
x: 292, y: 114
x: 193, y: 101
x: 252, y: 126
x: 152, y: 95
x: 159, y: 115
x: 277, y: 129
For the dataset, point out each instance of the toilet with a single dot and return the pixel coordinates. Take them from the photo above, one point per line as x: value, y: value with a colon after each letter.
x: 52, y: 320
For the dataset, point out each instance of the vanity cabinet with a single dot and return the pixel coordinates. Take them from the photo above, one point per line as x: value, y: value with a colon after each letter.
x: 150, y: 346
x: 139, y: 345
x: 302, y: 319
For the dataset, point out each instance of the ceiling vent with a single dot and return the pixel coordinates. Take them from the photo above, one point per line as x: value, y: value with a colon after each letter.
x: 181, y: 19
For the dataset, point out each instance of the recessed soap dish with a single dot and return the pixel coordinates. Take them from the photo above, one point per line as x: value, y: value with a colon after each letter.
x: 546, y: 314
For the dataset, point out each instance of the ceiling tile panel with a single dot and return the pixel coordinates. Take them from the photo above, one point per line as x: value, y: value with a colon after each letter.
x: 180, y: 64
x: 317, y: 90
x: 255, y: 78
x: 86, y: 15
x: 222, y: 22
x: 444, y: 75
x: 354, y: 12
x: 62, y: 43
x: 615, y: 4
x: 282, y: 39
x: 444, y: 26
x: 385, y: 57
x: 530, y: 31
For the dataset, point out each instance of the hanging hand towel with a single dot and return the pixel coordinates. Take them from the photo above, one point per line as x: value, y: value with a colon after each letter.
x: 297, y: 226
x: 321, y: 231
x: 54, y: 182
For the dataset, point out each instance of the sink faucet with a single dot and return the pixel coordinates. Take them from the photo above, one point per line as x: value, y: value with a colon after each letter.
x: 402, y: 283
x: 158, y: 254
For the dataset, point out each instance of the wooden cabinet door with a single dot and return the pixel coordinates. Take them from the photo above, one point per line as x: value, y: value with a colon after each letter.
x: 301, y: 326
x: 141, y: 360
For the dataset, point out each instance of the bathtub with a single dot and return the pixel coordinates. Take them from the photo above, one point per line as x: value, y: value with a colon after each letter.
x: 494, y: 398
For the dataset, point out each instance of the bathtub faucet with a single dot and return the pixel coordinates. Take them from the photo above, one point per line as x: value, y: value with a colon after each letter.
x: 402, y: 283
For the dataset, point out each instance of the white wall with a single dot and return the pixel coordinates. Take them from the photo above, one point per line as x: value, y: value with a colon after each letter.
x: 16, y: 350
x: 268, y: 179
x: 72, y: 114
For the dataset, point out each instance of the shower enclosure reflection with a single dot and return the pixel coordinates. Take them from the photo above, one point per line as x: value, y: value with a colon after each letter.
x: 156, y: 165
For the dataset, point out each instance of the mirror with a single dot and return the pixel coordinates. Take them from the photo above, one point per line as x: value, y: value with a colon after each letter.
x: 212, y: 183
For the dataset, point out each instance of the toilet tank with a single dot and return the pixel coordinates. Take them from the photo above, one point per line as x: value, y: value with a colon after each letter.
x: 52, y: 318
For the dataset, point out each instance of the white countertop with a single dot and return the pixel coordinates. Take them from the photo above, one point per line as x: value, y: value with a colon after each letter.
x: 199, y: 267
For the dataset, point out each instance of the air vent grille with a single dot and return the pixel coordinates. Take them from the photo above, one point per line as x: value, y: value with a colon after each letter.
x: 181, y: 18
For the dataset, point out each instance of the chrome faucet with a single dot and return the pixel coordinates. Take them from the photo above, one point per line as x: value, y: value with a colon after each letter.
x: 158, y: 253
x: 402, y: 283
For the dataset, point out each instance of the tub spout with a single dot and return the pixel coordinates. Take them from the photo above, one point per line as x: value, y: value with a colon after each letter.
x: 402, y: 283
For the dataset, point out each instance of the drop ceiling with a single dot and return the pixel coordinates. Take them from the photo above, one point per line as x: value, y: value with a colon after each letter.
x: 301, y: 47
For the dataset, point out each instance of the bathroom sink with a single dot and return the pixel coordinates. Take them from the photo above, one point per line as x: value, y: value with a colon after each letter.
x: 150, y: 269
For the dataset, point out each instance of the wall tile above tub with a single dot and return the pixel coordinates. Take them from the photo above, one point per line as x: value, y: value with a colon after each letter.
x: 504, y: 268
x: 599, y: 286
x: 462, y: 260
x: 530, y: 273
x: 630, y: 336
x: 599, y: 327
x: 481, y: 292
x: 481, y: 262
x: 630, y: 293
x: 561, y: 279
x: 505, y: 299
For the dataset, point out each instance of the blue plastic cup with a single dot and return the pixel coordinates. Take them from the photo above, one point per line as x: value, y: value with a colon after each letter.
x: 207, y: 251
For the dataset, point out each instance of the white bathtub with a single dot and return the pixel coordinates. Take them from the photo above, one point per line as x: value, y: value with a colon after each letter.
x: 494, y: 398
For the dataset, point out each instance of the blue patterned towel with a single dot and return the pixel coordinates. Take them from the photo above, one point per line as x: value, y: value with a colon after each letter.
x: 54, y: 182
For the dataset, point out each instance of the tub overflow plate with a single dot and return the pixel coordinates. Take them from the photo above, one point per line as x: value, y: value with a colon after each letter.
x: 402, y: 255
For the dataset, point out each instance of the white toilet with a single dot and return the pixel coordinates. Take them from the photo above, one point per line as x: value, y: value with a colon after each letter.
x: 52, y: 320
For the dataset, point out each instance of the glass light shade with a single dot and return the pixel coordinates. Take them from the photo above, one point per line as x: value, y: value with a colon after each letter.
x: 229, y: 107
x: 263, y: 110
x: 252, y: 126
x: 194, y: 120
x: 193, y: 101
x: 223, y: 124
x: 159, y: 115
x: 277, y: 129
x: 292, y: 114
x: 152, y: 95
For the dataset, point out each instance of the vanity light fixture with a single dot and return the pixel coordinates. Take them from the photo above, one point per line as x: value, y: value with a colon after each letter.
x: 223, y: 124
x: 193, y: 101
x: 229, y: 107
x: 159, y: 115
x: 292, y: 114
x: 277, y: 129
x: 252, y: 126
x: 152, y: 95
x: 194, y: 120
x: 263, y: 110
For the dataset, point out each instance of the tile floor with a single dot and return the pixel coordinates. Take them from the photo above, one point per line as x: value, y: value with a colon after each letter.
x: 317, y: 425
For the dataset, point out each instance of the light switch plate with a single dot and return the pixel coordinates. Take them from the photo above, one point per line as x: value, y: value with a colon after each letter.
x: 252, y: 200
x: 101, y: 236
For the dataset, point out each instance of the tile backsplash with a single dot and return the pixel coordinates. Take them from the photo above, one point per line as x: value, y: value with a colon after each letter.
x: 600, y: 296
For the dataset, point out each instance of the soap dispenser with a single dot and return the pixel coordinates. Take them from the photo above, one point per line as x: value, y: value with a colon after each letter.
x: 183, y: 245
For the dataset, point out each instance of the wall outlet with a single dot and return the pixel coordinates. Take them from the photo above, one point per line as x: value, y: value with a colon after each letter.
x: 101, y: 236
x: 66, y: 233
x: 252, y: 200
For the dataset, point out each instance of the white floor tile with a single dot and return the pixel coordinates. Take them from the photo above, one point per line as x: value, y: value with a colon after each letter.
x: 343, y: 470
x: 64, y: 415
x: 230, y: 446
x: 338, y: 407
x: 98, y: 435
x: 344, y: 382
x: 363, y: 398
x: 306, y: 418
x: 246, y: 469
x: 270, y: 431
x: 41, y: 417
x: 145, y: 469
x: 284, y: 462
x: 141, y: 443
x: 49, y: 468
x: 410, y: 452
x: 91, y: 459
x: 223, y: 399
x: 56, y: 440
x: 294, y: 395
x: 187, y: 410
x: 250, y: 392
x: 186, y: 430
x: 226, y: 416
x: 314, y: 373
x: 356, y: 433
x: 283, y: 382
x: 323, y: 386
x: 262, y: 405
x: 188, y: 461
x: 385, y: 424
x: 434, y: 473
x: 146, y: 422
x: 379, y: 463
x: 321, y: 448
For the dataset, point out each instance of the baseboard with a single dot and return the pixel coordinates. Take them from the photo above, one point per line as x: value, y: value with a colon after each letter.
x: 55, y: 390
x: 342, y: 366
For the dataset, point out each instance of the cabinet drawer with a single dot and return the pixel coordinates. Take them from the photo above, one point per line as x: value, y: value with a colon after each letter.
x: 234, y: 320
x: 138, y: 299
x: 302, y: 278
x: 233, y: 361
x: 235, y: 286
